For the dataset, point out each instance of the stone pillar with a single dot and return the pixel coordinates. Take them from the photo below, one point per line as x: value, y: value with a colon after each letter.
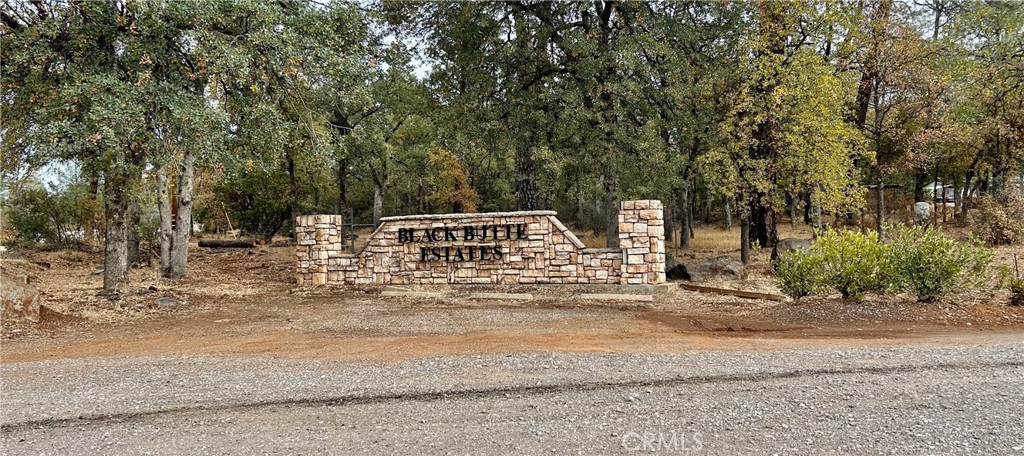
x: 316, y: 236
x: 642, y: 239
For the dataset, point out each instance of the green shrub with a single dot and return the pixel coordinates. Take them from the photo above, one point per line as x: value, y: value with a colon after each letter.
x: 30, y: 213
x: 918, y: 260
x: 1016, y: 284
x: 1017, y: 291
x: 54, y: 217
x: 931, y: 265
x: 798, y: 274
x: 853, y: 263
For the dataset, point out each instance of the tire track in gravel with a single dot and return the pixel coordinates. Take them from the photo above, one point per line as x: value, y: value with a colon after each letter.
x: 482, y: 393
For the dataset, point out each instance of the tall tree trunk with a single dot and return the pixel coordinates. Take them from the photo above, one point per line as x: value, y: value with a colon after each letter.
x: 968, y: 191
x: 693, y: 208
x: 607, y: 119
x: 115, y: 261
x: 342, y: 186
x: 864, y: 218
x: 808, y: 209
x: 863, y: 100
x: 880, y: 206
x: 728, y: 215
x: 1002, y: 167
x: 670, y: 225
x: 764, y: 147
x: 293, y: 186
x: 164, y: 206
x: 420, y: 207
x: 935, y: 205
x: 378, y: 201
x: 745, y: 240
x: 684, y: 232
x: 183, y: 221
x: 134, y: 218
x: 94, y: 185
x: 526, y: 186
x: 93, y: 234
x: 943, y: 204
x: 611, y: 208
x: 316, y: 190
x: 817, y: 218
x: 762, y: 224
x: 920, y: 178
x: 342, y: 175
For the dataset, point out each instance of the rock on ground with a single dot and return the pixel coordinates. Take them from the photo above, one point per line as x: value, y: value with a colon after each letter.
x: 792, y: 245
x: 719, y: 268
x: 18, y: 300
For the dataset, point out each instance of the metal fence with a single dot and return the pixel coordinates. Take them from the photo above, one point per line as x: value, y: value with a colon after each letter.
x: 352, y: 225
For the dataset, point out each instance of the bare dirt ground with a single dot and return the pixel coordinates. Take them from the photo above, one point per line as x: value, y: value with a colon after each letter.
x: 236, y: 359
x: 244, y: 303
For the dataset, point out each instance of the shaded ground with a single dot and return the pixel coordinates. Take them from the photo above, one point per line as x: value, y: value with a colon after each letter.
x: 243, y: 303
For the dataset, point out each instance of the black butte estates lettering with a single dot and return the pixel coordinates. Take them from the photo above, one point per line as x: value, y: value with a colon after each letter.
x: 481, y: 233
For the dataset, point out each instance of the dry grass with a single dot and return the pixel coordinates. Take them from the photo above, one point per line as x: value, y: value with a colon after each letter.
x: 706, y: 238
x: 591, y: 239
x: 71, y: 282
x: 728, y: 240
x: 714, y: 239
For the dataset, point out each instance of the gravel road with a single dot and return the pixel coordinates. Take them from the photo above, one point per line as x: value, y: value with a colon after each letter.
x: 934, y: 399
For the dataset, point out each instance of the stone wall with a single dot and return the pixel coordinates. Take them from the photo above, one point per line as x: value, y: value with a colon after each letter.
x: 642, y: 239
x: 318, y: 240
x: 494, y: 248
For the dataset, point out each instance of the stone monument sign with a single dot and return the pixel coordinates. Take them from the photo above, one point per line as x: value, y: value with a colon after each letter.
x: 528, y: 247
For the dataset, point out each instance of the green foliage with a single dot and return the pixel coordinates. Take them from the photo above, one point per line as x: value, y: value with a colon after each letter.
x: 848, y: 262
x: 254, y: 203
x: 921, y: 261
x: 799, y: 274
x: 1016, y: 287
x: 30, y: 214
x: 786, y: 132
x: 108, y: 85
x: 853, y: 263
x: 931, y: 265
x: 563, y: 105
x: 54, y: 217
x: 450, y: 184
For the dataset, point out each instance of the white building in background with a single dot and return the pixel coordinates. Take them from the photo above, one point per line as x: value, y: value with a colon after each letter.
x: 939, y: 192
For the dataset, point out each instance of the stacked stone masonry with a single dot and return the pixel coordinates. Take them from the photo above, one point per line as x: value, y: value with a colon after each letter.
x: 642, y: 239
x: 529, y: 247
